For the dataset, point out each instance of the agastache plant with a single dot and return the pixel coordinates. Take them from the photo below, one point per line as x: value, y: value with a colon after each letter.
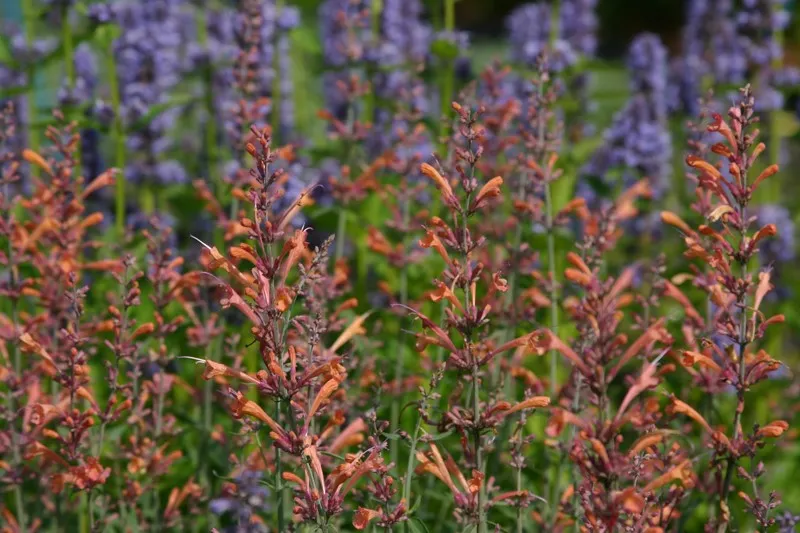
x: 735, y: 238
x: 463, y: 336
x: 302, y: 377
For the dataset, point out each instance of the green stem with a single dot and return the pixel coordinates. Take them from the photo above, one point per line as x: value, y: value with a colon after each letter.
x: 476, y: 415
x: 118, y: 137
x: 411, y: 458
x: 279, y: 493
x: 774, y: 188
x: 69, y: 66
x: 341, y: 229
x: 551, y: 260
x: 448, y: 82
x: 29, y: 19
x: 737, y: 417
x: 399, y: 368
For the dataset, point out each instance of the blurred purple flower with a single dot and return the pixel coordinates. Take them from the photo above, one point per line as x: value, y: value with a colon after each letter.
x: 529, y: 27
x: 578, y: 25
x: 149, y: 65
x: 778, y: 252
x: 787, y: 522
x: 638, y: 143
x: 249, y: 499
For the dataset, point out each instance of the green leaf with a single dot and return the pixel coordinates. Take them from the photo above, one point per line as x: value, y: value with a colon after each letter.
x: 418, y: 525
x: 444, y: 49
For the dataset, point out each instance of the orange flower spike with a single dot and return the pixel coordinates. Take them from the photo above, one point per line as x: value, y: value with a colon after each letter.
x: 646, y: 441
x: 677, y: 406
x: 214, y: 369
x: 243, y: 406
x: 554, y: 343
x: 578, y: 277
x: 311, y: 453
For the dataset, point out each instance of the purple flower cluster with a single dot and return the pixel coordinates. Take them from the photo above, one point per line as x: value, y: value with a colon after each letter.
x: 344, y: 31
x: 578, y: 25
x: 404, y: 42
x: 529, y: 28
x: 726, y: 44
x: 712, y: 50
x: 287, y: 20
x: 249, y: 499
x: 530, y: 31
x: 787, y: 522
x: 149, y: 65
x: 638, y: 139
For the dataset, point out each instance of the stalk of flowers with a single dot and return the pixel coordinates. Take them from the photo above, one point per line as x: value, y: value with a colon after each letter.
x: 46, y: 258
x: 212, y: 53
x: 402, y: 200
x: 712, y: 55
x: 398, y: 51
x: 148, y: 63
x: 286, y: 298
x: 617, y: 485
x: 738, y: 297
x: 638, y: 143
x: 464, y: 336
x: 345, y: 26
x: 11, y: 370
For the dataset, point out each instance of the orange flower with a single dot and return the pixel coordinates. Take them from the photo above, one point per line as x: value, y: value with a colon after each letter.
x: 37, y: 160
x: 668, y: 217
x: 214, y: 369
x: 773, y: 429
x: 704, y: 166
x: 682, y: 473
x: 242, y: 406
x: 356, y: 327
x: 722, y: 127
x: 441, y: 183
x: 530, y: 403
x: 430, y: 240
x: 646, y: 441
x: 443, y: 292
x: 691, y: 358
x: 364, y: 516
x: 766, y: 173
x: 490, y: 190
x: 324, y: 393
